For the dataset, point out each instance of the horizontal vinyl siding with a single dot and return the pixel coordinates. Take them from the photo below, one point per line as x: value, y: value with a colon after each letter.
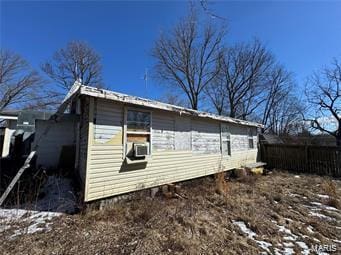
x: 162, y: 132
x: 107, y: 175
x: 205, y: 137
x: 108, y: 121
x: 107, y: 179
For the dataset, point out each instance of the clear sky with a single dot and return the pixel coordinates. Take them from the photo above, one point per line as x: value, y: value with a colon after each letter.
x: 303, y: 35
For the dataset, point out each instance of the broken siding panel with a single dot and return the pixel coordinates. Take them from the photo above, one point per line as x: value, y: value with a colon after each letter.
x: 183, y: 133
x: 108, y: 122
x: 162, y: 132
x: 205, y: 137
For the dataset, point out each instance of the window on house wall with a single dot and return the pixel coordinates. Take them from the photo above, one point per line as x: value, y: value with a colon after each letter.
x: 225, y: 140
x: 138, y: 121
x: 250, y: 138
x: 138, y: 129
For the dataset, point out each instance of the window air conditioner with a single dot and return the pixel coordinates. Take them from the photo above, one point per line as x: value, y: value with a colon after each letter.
x: 141, y: 150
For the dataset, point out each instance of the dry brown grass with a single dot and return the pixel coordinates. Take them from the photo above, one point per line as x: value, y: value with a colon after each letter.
x: 329, y: 188
x: 201, y: 222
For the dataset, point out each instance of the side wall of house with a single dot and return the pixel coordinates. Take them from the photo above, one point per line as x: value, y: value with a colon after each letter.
x: 182, y: 148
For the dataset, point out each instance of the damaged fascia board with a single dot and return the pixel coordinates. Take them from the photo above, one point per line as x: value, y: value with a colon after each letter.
x: 73, y: 92
x: 119, y: 97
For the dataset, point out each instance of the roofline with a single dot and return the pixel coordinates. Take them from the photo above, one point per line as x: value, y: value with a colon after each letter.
x: 8, y: 117
x: 127, y: 99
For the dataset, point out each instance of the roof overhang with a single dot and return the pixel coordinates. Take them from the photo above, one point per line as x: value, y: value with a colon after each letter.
x: 133, y: 100
x: 7, y: 117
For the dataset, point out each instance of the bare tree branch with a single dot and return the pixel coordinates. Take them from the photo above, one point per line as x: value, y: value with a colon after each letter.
x: 323, y: 93
x: 187, y: 57
x: 20, y: 86
x: 76, y: 61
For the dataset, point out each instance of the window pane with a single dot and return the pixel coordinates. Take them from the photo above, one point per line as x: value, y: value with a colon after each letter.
x: 250, y: 143
x: 138, y: 121
x: 229, y: 148
x: 226, y: 147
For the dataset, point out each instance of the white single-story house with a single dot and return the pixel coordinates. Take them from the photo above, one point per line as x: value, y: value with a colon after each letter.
x: 126, y: 143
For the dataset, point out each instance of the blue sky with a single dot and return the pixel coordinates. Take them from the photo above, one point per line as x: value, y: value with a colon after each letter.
x: 304, y: 36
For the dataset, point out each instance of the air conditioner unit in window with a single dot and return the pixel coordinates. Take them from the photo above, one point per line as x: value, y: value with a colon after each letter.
x: 141, y: 150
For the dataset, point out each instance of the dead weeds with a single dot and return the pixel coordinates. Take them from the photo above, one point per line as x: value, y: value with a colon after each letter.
x: 203, y: 222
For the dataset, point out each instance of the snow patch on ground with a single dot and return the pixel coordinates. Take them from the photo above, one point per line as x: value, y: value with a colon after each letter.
x: 290, y: 240
x: 310, y: 229
x: 320, y: 215
x: 19, y: 221
x: 294, y: 195
x: 262, y: 244
x: 323, y: 196
x: 329, y: 208
x: 304, y: 247
x: 59, y: 196
x: 245, y: 229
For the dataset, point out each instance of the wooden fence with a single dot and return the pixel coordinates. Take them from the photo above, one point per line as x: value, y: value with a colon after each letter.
x: 323, y: 160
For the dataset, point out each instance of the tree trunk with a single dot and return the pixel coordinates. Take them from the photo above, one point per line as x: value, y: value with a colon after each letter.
x: 338, y: 135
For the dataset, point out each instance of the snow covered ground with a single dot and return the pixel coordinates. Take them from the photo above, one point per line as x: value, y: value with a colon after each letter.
x: 57, y: 198
x: 16, y: 222
x: 289, y: 239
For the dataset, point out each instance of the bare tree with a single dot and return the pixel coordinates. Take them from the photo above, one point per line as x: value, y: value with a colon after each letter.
x: 285, y: 117
x: 216, y: 93
x: 174, y: 98
x: 20, y: 86
x: 187, y: 57
x: 323, y: 92
x: 243, y: 71
x: 277, y: 89
x: 76, y: 61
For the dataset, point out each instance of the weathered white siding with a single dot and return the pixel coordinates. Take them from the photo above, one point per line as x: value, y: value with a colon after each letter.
x: 163, y: 132
x: 183, y: 134
x: 171, y: 161
x: 205, y: 136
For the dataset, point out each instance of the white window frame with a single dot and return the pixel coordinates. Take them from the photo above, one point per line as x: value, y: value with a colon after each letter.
x: 225, y: 139
x: 126, y: 132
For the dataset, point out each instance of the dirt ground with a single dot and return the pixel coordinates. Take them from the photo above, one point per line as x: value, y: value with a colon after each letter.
x: 280, y: 213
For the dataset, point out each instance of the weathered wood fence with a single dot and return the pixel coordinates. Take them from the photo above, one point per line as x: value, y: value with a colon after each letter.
x: 323, y: 160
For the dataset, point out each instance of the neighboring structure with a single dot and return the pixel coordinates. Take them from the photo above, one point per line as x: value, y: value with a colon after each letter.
x: 31, y: 127
x: 52, y: 137
x: 8, y: 126
x: 19, y: 123
x: 270, y: 139
x: 126, y: 143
